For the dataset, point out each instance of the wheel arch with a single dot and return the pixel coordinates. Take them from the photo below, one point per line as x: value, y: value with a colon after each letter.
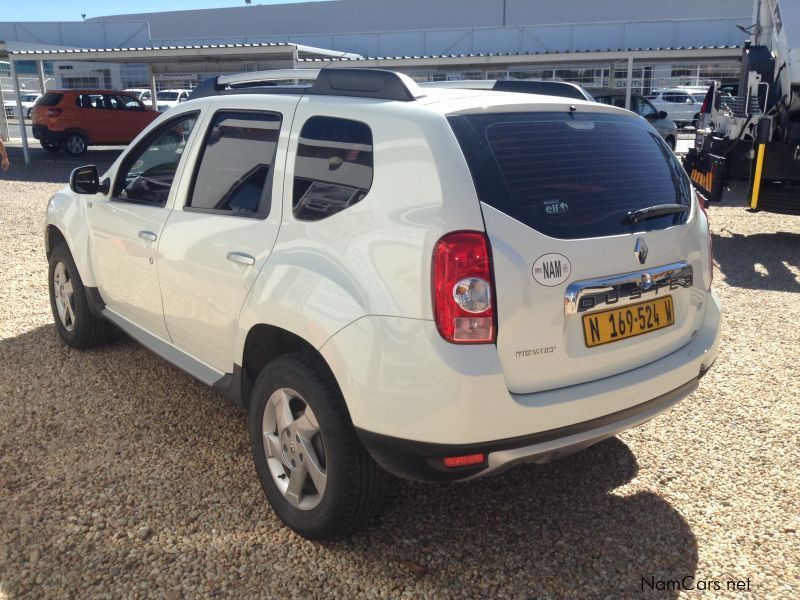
x: 61, y: 210
x: 263, y: 344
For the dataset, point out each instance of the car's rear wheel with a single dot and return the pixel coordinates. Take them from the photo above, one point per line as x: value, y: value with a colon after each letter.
x: 30, y: 113
x: 317, y: 476
x: 50, y: 146
x: 670, y: 142
x: 75, y: 323
x: 75, y: 144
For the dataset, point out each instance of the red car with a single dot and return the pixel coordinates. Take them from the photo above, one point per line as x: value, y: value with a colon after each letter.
x: 77, y: 119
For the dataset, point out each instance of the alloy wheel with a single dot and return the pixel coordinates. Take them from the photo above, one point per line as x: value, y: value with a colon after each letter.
x: 64, y: 296
x: 294, y: 449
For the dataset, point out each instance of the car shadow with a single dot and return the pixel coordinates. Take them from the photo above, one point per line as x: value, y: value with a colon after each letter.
x: 772, y: 260
x: 49, y: 167
x: 119, y: 467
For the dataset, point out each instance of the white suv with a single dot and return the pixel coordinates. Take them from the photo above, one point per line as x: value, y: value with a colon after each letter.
x: 682, y: 105
x: 439, y: 284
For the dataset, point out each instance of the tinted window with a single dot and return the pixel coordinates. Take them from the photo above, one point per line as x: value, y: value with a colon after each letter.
x: 644, y: 108
x: 167, y: 95
x: 234, y: 170
x: 148, y: 171
x: 50, y: 99
x: 572, y: 175
x: 333, y: 170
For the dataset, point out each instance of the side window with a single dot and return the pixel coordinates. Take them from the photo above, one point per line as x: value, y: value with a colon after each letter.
x: 234, y: 171
x: 148, y: 171
x: 333, y: 169
x: 645, y: 109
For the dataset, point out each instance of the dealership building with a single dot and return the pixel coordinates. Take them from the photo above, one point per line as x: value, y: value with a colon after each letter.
x: 604, y: 43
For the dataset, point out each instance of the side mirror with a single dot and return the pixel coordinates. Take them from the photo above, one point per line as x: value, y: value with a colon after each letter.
x: 662, y: 114
x: 86, y: 180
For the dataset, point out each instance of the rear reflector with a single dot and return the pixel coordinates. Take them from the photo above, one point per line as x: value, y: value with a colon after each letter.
x: 463, y: 461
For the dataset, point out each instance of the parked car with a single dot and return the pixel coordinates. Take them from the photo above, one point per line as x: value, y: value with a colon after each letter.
x: 642, y: 107
x: 76, y: 119
x: 681, y: 104
x: 143, y: 94
x: 440, y: 284
x: 27, y: 100
x: 166, y: 99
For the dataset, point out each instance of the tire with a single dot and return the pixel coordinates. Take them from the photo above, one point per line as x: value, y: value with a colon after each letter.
x: 30, y: 113
x: 353, y: 485
x: 74, y: 321
x: 51, y: 146
x: 695, y: 119
x: 75, y: 144
x: 670, y: 142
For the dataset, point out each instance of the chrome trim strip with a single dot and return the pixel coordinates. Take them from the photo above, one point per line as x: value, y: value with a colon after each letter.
x: 626, y: 288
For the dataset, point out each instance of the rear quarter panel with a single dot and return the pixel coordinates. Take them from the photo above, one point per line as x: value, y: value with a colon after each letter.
x: 373, y: 258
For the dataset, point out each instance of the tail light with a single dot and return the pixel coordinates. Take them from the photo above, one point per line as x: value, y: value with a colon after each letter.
x: 463, y: 288
x: 54, y: 112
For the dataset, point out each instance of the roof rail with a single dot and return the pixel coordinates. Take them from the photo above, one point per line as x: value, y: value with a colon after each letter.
x: 561, y: 89
x: 359, y: 83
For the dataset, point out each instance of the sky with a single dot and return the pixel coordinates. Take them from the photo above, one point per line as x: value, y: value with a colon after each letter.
x: 71, y: 10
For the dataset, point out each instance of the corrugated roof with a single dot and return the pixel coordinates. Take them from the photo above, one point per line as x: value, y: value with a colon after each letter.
x: 535, y: 53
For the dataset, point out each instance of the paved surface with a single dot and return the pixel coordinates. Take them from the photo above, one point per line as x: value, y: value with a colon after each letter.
x: 122, y: 476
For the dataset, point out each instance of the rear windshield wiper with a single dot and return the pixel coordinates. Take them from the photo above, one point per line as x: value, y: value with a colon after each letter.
x: 653, y: 212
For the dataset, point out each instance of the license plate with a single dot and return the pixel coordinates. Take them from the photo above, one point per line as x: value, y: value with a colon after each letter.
x: 627, y: 321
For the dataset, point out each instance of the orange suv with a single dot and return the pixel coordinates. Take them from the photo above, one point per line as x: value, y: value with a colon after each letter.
x: 77, y: 119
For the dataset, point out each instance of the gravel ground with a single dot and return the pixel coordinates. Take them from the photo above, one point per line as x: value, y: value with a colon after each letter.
x: 122, y: 476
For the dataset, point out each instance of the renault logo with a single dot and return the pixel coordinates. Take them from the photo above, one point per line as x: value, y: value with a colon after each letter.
x: 640, y: 251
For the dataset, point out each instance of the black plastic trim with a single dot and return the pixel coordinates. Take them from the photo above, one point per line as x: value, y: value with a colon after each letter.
x: 422, y: 461
x: 231, y: 386
x: 96, y: 302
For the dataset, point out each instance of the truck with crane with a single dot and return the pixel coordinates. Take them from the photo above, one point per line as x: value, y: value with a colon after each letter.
x: 756, y: 136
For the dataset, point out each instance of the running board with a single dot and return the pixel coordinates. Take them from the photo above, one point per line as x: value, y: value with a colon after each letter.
x: 185, y: 362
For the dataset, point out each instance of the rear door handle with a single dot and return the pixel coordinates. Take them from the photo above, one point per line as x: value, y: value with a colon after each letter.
x: 241, y: 258
x: 148, y: 236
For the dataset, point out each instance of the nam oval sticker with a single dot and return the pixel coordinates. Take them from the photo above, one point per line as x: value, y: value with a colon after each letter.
x: 551, y: 269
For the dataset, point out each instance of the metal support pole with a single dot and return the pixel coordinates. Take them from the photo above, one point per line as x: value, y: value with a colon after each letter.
x: 22, y: 130
x: 629, y: 83
x: 3, y: 121
x: 153, y: 100
x: 757, y: 179
x: 40, y: 70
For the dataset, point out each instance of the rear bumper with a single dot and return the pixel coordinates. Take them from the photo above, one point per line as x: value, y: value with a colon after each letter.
x: 40, y: 132
x: 414, y: 399
x: 423, y: 461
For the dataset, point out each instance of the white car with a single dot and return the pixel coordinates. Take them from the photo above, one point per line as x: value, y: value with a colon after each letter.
x: 166, y: 99
x: 435, y: 283
x: 144, y: 95
x: 28, y: 100
x: 682, y: 105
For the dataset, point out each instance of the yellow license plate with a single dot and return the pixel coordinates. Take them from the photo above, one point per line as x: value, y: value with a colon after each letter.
x: 627, y: 321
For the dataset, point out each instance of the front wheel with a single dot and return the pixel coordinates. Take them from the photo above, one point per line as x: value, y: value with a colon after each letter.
x: 75, y: 144
x: 75, y: 323
x: 317, y: 476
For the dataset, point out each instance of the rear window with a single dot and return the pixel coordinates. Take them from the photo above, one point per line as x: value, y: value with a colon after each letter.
x: 572, y: 175
x: 49, y: 99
